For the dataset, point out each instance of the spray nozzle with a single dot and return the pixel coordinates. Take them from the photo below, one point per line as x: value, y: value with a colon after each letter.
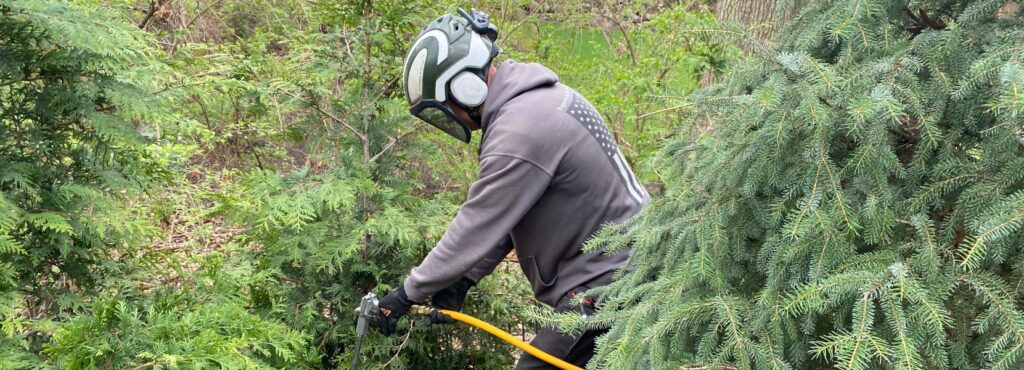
x: 368, y: 310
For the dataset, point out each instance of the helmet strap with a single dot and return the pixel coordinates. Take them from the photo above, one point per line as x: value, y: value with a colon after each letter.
x: 474, y: 114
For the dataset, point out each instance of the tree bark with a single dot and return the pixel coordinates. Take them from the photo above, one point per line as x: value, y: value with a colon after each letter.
x: 757, y: 15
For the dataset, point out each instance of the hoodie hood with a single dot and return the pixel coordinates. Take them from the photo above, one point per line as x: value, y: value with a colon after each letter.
x: 510, y: 80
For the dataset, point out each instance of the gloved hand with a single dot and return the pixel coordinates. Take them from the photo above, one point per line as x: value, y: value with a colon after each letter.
x: 392, y: 307
x: 450, y: 298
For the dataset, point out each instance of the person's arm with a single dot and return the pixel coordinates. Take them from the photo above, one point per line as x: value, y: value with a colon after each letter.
x: 491, y: 260
x: 507, y: 189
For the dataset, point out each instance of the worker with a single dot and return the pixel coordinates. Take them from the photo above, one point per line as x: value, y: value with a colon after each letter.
x: 550, y: 176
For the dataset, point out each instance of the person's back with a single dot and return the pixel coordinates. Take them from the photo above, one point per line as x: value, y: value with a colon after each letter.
x: 529, y: 116
x: 551, y: 176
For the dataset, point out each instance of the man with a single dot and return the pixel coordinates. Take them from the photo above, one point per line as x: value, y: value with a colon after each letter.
x: 551, y: 175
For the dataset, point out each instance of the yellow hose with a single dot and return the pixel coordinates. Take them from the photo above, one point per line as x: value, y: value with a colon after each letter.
x: 501, y: 334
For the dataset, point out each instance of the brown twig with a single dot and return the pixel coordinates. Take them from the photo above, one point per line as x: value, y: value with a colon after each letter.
x: 392, y: 143
x: 259, y: 163
x: 400, y: 348
x: 149, y: 15
x: 148, y: 364
x: 515, y: 28
x: 611, y: 15
x: 316, y: 104
x: 204, y: 10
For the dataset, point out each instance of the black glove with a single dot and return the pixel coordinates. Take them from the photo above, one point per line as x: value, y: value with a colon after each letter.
x: 450, y: 298
x: 392, y: 307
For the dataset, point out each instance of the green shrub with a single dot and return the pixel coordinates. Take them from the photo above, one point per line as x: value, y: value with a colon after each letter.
x: 330, y: 238
x: 205, y: 322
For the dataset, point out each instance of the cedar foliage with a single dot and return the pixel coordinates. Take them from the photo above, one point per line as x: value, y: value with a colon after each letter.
x: 77, y: 287
x: 67, y: 144
x: 67, y: 157
x: 354, y: 218
x: 857, y: 205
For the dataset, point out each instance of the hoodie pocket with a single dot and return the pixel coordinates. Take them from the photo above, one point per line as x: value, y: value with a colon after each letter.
x: 533, y: 273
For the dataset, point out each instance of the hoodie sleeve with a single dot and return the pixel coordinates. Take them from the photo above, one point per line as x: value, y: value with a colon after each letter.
x: 487, y: 265
x: 507, y: 189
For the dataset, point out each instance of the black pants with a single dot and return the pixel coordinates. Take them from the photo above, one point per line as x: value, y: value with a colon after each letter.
x: 574, y: 349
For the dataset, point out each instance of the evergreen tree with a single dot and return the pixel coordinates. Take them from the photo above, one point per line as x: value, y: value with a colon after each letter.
x: 855, y: 202
x: 68, y: 152
x: 77, y: 288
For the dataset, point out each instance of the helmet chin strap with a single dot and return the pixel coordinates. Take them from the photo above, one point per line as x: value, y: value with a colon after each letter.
x: 474, y: 114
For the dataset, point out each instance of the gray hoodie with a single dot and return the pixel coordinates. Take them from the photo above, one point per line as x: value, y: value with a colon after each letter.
x: 550, y: 176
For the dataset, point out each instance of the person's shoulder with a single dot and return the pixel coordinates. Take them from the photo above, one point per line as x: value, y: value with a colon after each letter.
x: 515, y: 133
x: 537, y: 128
x: 538, y: 114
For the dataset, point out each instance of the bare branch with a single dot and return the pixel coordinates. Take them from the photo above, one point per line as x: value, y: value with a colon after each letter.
x: 316, y: 104
x: 199, y: 13
x: 149, y: 15
x: 392, y: 143
x: 148, y: 364
x: 400, y: 348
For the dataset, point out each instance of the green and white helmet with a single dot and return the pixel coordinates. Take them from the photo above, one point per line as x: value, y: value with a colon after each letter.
x: 449, y: 59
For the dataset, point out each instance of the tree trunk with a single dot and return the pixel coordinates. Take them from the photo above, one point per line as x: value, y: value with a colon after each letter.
x: 757, y: 15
